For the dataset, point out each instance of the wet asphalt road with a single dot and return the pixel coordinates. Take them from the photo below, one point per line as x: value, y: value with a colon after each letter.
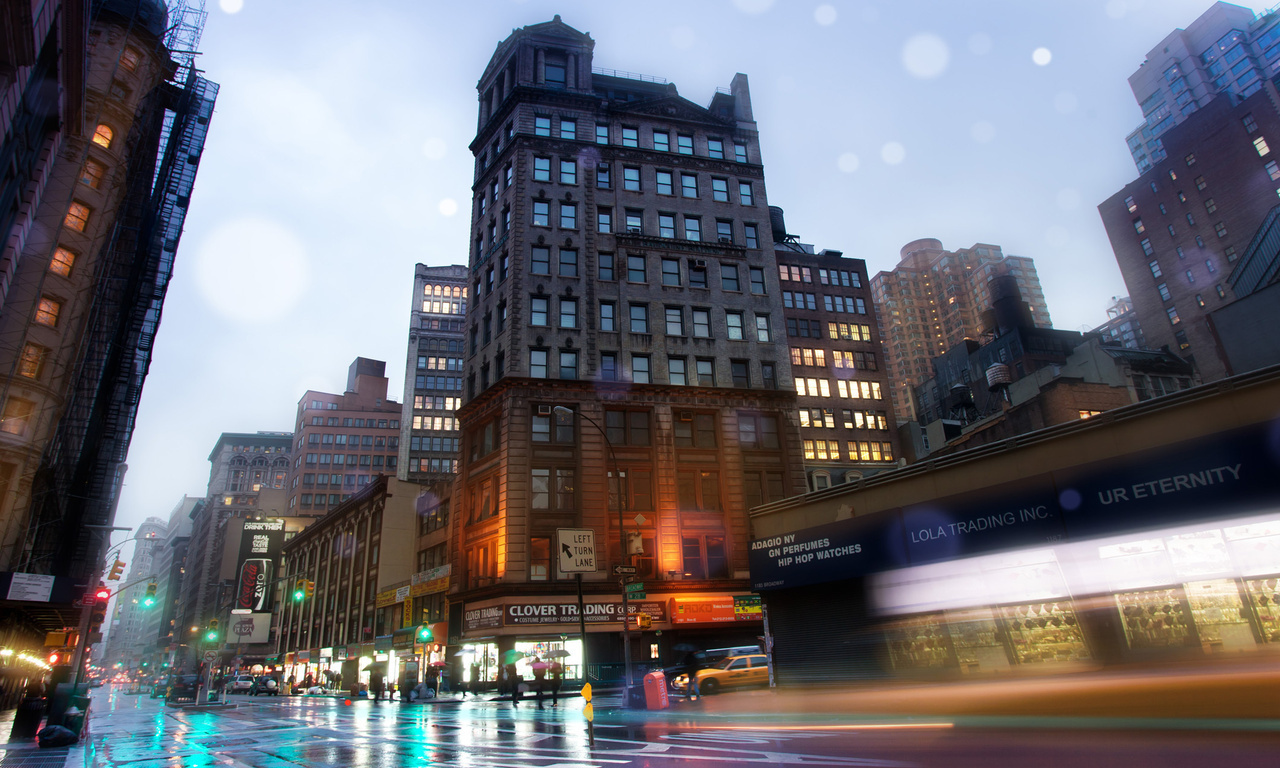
x: 139, y: 732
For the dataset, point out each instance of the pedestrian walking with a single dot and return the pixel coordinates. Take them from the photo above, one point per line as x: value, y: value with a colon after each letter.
x: 433, y: 680
x: 513, y: 682
x: 376, y: 686
x: 475, y: 679
x: 539, y: 668
x: 557, y: 679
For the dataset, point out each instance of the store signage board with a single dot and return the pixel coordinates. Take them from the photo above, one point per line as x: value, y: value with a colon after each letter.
x: 32, y: 587
x: 577, y: 550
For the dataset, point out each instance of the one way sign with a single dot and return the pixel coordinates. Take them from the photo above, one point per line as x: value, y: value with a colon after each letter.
x: 577, y: 548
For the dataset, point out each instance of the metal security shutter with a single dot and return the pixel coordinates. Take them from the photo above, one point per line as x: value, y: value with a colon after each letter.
x: 824, y: 634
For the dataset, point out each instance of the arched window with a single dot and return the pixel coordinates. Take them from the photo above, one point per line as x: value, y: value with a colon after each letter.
x: 103, y: 135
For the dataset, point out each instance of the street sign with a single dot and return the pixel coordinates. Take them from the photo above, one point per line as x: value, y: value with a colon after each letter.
x: 210, y: 656
x: 636, y: 595
x: 624, y: 570
x: 577, y: 550
x: 635, y: 586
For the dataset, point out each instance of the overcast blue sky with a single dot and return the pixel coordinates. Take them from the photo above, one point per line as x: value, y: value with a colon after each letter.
x: 337, y: 159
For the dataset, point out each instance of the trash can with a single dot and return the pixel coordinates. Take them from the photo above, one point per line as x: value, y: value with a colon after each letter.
x: 26, y: 721
x: 655, y: 691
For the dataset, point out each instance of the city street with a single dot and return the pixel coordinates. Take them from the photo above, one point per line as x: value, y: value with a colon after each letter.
x: 139, y: 732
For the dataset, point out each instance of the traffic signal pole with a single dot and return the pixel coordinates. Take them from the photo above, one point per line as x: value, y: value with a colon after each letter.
x: 82, y: 645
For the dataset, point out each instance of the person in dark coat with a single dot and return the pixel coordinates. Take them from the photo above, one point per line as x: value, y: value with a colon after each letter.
x: 475, y: 681
x: 513, y: 682
x: 376, y: 685
x: 557, y: 679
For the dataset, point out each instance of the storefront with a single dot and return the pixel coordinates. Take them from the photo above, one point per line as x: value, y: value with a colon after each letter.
x: 1173, y: 554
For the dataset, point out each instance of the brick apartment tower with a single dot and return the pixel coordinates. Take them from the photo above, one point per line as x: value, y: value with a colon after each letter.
x: 622, y: 244
x: 933, y: 300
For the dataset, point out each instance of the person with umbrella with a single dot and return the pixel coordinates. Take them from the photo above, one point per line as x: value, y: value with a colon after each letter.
x: 557, y: 679
x: 539, y: 668
x: 475, y: 680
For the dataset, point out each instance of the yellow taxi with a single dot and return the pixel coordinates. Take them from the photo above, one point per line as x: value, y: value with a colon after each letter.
x: 732, y: 672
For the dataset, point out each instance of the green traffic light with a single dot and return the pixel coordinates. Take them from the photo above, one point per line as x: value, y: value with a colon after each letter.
x: 298, y: 596
x: 211, y: 636
x: 424, y: 634
x: 147, y: 602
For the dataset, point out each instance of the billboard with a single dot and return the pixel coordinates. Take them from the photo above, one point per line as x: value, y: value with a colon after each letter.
x: 250, y: 628
x: 260, y: 543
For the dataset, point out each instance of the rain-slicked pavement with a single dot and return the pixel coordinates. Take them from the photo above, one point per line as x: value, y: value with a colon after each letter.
x: 138, y: 732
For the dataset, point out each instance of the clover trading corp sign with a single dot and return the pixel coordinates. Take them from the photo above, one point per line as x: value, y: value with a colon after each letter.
x: 577, y: 548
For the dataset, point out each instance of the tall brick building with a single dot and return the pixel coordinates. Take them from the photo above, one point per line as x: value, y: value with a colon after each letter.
x: 622, y: 246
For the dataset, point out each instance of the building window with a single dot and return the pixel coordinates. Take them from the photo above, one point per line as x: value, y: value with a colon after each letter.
x: 540, y: 260
x: 568, y: 172
x: 1210, y: 206
x: 662, y: 141
x: 77, y: 217
x: 1273, y: 170
x: 702, y: 323
x: 1199, y: 301
x: 1191, y: 219
x: 631, y: 179
x: 688, y: 185
x: 1200, y: 184
x: 551, y: 490
x: 1155, y: 269
x: 568, y: 313
x: 666, y: 225
x: 1129, y: 204
x: 1208, y: 264
x: 608, y: 316
x: 602, y: 133
x: 541, y: 213
x: 47, y: 311
x: 1221, y: 229
x: 676, y: 371
x: 542, y: 169
x: 640, y: 369
x: 738, y: 372
x: 1260, y: 144
x: 568, y: 216
x: 63, y: 261
x: 729, y: 277
x: 539, y: 558
x: 636, y: 269
x: 604, y: 220
x: 1222, y: 294
x: 706, y: 369
x: 1190, y: 159
x: 740, y: 153
x: 609, y: 366
x: 664, y: 182
x: 32, y: 363
x: 684, y: 144
x: 733, y: 323
x: 1250, y: 125
x: 1138, y: 226
x: 1172, y: 312
x: 762, y: 328
x: 752, y: 236
x: 603, y: 180
x: 697, y: 274
x: 569, y: 365
x: 630, y: 137
x: 94, y: 173
x: 757, y: 280
x: 568, y: 129
x: 744, y: 193
x: 692, y: 228
x: 568, y: 262
x: 1163, y: 288
x: 639, y: 318
x: 604, y: 266
x: 724, y: 231
x: 538, y: 363
x: 103, y: 135
x: 541, y: 126
x: 17, y: 414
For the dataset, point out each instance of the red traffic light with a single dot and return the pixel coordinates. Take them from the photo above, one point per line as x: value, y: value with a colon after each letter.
x: 53, y: 658
x: 102, y: 594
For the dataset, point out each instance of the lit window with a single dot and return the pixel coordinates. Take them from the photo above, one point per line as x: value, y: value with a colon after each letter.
x: 1138, y: 226
x: 1172, y: 312
x: 1260, y: 144
x: 1128, y: 203
x: 47, y: 312
x: 32, y: 363
x: 63, y: 261
x: 17, y: 413
x: 129, y: 60
x: 1089, y: 414
x: 102, y: 136
x: 94, y: 172
x: 77, y: 217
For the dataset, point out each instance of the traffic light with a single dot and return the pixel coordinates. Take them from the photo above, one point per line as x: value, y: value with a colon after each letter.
x: 424, y: 634
x: 310, y: 589
x: 299, y: 590
x: 117, y: 570
x: 643, y: 621
x: 149, y: 599
x: 53, y: 658
x: 98, y: 612
x: 211, y: 634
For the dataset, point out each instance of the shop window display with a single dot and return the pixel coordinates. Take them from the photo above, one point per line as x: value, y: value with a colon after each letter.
x: 1222, y: 621
x: 977, y: 642
x: 1264, y: 595
x: 1045, y: 632
x: 1156, y: 618
x: 922, y: 642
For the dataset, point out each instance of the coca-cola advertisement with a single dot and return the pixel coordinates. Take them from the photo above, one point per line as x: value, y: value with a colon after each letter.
x: 255, y: 585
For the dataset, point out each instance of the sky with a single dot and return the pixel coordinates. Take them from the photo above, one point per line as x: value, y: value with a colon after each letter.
x: 337, y: 159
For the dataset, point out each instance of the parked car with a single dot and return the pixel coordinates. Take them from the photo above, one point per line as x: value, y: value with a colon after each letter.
x: 182, y: 688
x: 265, y: 685
x: 733, y: 672
x: 241, y: 684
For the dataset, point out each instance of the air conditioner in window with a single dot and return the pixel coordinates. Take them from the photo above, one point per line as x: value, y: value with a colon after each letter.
x: 726, y: 239
x: 686, y: 415
x: 544, y: 410
x: 697, y: 263
x: 633, y: 230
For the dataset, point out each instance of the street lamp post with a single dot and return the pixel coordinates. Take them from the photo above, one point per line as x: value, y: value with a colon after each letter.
x: 622, y: 548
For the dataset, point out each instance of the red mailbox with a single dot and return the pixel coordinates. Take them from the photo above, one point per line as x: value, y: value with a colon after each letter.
x: 655, y: 691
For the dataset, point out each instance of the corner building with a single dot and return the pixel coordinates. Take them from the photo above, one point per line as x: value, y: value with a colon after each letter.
x: 623, y: 258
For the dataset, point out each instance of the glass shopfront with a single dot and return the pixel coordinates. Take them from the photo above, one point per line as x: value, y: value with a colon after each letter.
x: 556, y: 647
